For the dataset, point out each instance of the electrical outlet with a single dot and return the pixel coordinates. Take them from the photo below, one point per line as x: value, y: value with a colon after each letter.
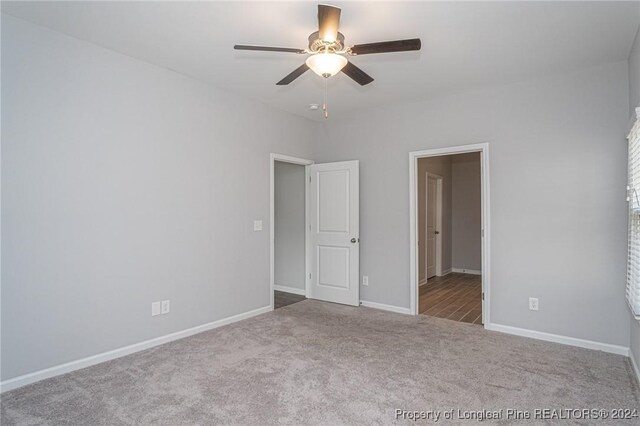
x: 155, y: 309
x: 365, y: 280
x: 533, y: 303
x: 165, y: 306
x: 257, y: 225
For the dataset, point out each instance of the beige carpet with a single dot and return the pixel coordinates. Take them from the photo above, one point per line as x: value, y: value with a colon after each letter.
x: 321, y: 363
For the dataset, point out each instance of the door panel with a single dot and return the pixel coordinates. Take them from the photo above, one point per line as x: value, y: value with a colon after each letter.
x: 432, y: 192
x: 333, y: 201
x: 333, y: 267
x: 334, y: 219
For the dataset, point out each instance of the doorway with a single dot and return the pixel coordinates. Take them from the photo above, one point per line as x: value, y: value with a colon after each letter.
x: 449, y: 207
x: 288, y: 230
x: 314, y: 231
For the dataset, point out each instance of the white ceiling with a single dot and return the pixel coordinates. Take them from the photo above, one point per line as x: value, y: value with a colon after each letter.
x: 464, y: 45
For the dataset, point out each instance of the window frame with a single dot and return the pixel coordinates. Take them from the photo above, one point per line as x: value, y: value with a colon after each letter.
x: 632, y: 286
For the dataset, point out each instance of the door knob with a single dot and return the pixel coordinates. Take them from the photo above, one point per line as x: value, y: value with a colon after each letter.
x: 353, y: 240
x: 436, y: 232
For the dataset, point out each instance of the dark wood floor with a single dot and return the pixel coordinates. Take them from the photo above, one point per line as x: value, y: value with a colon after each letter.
x: 284, y: 299
x: 454, y: 296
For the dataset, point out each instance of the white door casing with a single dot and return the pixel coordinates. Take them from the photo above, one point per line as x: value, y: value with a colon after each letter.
x: 483, y: 148
x: 334, y: 256
x: 294, y: 160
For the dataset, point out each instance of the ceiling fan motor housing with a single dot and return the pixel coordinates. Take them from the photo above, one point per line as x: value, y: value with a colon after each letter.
x: 318, y: 45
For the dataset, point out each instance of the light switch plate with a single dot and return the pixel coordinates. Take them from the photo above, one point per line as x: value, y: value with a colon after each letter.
x: 166, y: 306
x: 257, y: 225
x: 155, y: 309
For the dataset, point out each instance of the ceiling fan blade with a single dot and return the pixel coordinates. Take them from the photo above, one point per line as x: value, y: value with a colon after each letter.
x: 293, y: 75
x: 328, y: 22
x: 387, y: 46
x: 268, y: 48
x: 359, y: 76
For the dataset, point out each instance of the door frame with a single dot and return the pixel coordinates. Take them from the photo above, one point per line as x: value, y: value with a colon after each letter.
x: 438, y: 259
x: 272, y: 163
x: 483, y: 149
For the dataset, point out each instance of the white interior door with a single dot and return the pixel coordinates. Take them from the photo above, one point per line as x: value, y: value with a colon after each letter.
x: 334, y: 212
x: 431, y: 222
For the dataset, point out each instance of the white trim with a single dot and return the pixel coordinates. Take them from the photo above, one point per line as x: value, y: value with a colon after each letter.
x: 556, y: 338
x: 634, y: 364
x: 307, y: 230
x: 635, y: 116
x: 467, y: 271
x: 446, y: 272
x: 483, y: 148
x: 632, y: 122
x: 633, y: 314
x: 422, y: 282
x: 68, y: 367
x: 382, y: 306
x: 292, y: 290
x: 293, y: 160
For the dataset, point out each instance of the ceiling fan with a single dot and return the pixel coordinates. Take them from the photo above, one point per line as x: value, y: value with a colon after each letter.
x: 327, y: 50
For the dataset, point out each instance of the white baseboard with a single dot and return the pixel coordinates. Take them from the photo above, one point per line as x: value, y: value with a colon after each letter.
x: 68, y: 367
x: 556, y: 338
x: 384, y: 307
x: 635, y: 365
x: 445, y: 272
x: 467, y: 271
x: 293, y: 290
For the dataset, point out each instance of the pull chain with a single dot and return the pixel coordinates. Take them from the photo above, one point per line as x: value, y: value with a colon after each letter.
x: 324, y: 103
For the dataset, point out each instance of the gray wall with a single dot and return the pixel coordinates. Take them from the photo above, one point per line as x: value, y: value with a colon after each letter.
x: 466, y: 213
x: 122, y: 184
x: 557, y: 141
x: 634, y: 102
x: 634, y: 73
x: 289, y: 218
x: 439, y: 166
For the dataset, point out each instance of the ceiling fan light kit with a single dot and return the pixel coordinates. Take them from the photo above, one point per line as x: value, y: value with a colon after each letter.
x: 326, y: 47
x: 326, y: 64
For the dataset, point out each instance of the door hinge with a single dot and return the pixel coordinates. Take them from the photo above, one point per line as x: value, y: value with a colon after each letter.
x: 483, y: 295
x: 310, y: 278
x: 309, y: 179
